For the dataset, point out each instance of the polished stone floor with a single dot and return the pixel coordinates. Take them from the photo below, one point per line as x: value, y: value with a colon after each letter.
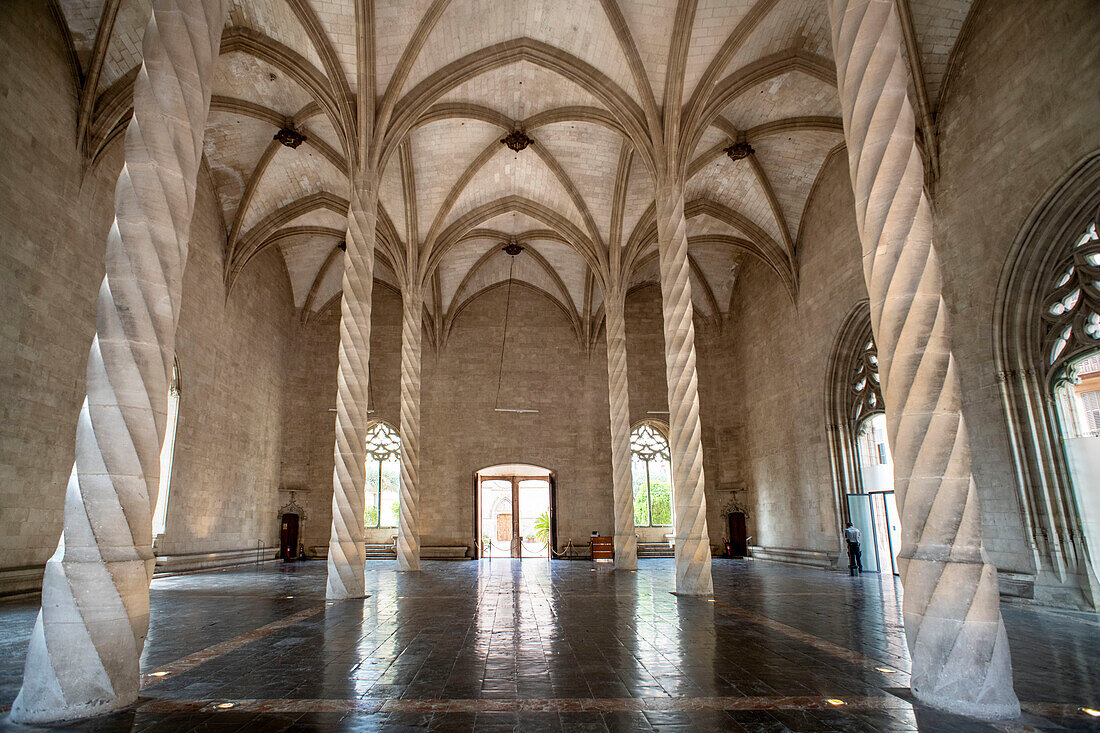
x: 530, y: 646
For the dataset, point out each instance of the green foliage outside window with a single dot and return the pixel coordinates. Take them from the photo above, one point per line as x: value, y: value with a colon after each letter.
x: 651, y: 477
x: 383, y: 471
x: 542, y: 529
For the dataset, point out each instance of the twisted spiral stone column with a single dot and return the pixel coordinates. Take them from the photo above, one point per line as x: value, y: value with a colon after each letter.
x: 408, y: 532
x: 346, y: 551
x: 626, y: 543
x: 685, y: 434
x: 86, y: 642
x: 952, y: 614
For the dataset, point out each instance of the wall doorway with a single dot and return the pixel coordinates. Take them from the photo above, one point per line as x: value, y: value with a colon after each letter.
x: 739, y: 536
x: 288, y: 536
x: 515, y: 512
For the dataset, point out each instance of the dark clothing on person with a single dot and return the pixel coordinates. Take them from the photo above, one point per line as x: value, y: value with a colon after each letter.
x: 855, y: 557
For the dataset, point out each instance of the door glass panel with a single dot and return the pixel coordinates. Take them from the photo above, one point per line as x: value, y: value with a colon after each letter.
x: 859, y: 512
x: 882, y: 531
x: 893, y: 519
x: 496, y: 518
x: 534, y: 517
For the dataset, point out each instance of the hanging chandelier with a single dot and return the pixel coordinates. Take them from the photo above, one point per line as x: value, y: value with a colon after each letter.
x: 513, y: 248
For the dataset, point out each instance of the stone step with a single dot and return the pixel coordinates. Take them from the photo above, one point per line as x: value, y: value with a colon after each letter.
x: 380, y: 552
x: 655, y: 549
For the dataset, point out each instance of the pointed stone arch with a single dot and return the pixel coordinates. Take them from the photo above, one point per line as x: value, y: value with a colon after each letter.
x: 1064, y: 561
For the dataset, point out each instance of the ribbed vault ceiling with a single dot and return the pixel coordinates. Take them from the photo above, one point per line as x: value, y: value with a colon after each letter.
x: 460, y: 75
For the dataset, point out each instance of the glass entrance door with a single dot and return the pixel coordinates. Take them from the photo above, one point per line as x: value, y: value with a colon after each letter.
x: 861, y: 517
x: 876, y: 517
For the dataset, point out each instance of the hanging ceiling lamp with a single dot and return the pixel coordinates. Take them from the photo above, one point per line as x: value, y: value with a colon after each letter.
x: 512, y: 249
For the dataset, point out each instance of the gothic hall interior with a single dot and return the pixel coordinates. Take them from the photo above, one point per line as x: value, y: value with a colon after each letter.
x: 557, y: 365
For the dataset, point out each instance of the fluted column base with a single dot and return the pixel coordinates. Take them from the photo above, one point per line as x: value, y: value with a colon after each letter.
x: 342, y: 584
x: 960, y: 660
x: 98, y: 678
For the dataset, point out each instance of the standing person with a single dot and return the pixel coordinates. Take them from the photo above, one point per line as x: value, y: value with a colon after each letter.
x: 855, y: 557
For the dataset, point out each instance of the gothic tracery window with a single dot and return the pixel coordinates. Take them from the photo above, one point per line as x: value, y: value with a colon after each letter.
x: 866, y: 389
x: 651, y: 470
x: 867, y: 411
x: 1071, y: 312
x: 383, y: 471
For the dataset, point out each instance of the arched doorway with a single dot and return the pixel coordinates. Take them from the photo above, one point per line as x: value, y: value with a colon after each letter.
x: 859, y: 446
x: 1046, y: 334
x: 515, y: 511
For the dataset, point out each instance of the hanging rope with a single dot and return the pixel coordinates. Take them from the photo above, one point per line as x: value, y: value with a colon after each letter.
x: 504, y: 338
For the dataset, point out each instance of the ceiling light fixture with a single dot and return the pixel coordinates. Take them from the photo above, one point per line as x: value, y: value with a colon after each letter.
x: 226, y: 705
x: 290, y: 137
x: 739, y: 150
x: 834, y: 701
x: 516, y: 140
x: 1091, y: 711
x: 159, y: 674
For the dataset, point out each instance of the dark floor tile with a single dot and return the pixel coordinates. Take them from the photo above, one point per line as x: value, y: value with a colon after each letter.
x: 535, y: 631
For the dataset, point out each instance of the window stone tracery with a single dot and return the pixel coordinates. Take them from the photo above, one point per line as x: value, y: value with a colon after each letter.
x: 383, y: 443
x: 1071, y: 309
x: 866, y: 396
x: 1046, y: 324
x: 647, y: 443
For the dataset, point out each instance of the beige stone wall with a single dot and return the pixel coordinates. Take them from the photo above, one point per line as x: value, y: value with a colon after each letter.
x: 309, y: 425
x: 232, y: 356
x: 1020, y: 110
x: 546, y: 368
x: 53, y: 229
x: 53, y: 226
x: 771, y: 402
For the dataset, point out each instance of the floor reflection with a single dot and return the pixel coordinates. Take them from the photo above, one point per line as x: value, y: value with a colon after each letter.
x: 530, y: 645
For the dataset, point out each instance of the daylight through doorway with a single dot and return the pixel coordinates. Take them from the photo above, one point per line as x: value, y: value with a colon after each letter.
x: 514, y: 512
